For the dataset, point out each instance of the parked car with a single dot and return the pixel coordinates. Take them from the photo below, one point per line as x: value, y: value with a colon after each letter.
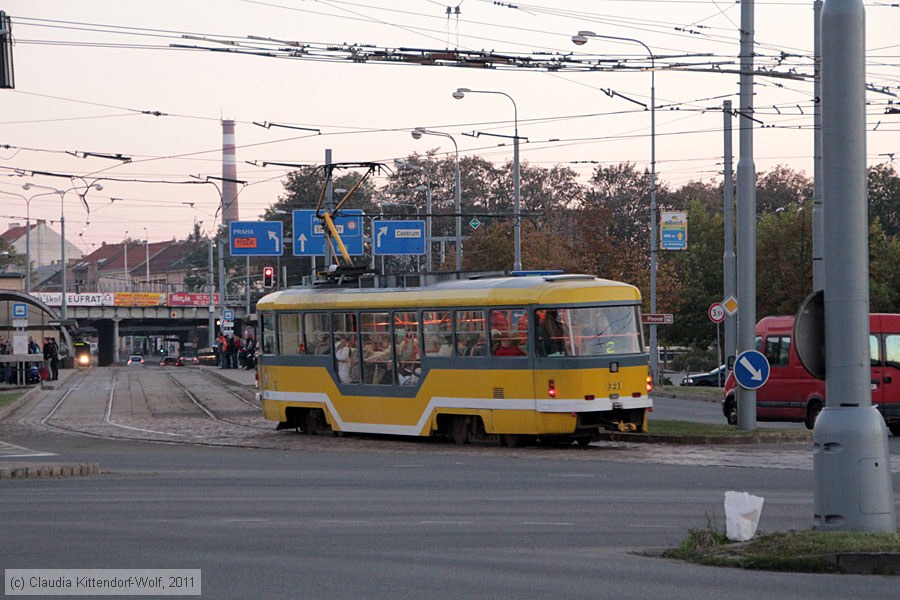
x: 135, y: 360
x: 171, y: 361
x: 714, y: 378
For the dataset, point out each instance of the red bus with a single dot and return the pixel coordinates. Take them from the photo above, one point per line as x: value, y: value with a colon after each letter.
x: 792, y: 394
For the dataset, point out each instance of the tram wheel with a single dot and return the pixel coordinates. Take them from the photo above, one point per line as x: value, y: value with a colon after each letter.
x: 510, y: 440
x: 584, y: 440
x: 460, y: 430
x: 311, y: 422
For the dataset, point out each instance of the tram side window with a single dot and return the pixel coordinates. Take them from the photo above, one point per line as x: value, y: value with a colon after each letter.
x: 377, y: 349
x: 407, y: 343
x: 346, y: 356
x: 509, y: 332
x: 471, y: 337
x: 289, y: 335
x: 267, y: 324
x: 438, y: 334
x: 315, y: 329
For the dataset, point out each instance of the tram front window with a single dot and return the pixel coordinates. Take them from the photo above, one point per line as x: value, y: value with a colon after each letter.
x: 589, y: 331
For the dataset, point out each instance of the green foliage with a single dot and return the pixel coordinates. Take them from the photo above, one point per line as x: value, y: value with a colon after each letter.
x: 601, y: 227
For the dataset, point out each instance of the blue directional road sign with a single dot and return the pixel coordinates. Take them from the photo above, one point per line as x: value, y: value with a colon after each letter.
x: 398, y: 237
x: 751, y: 369
x: 256, y: 238
x: 309, y: 232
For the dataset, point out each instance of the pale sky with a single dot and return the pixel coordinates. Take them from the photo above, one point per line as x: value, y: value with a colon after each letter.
x: 85, y: 71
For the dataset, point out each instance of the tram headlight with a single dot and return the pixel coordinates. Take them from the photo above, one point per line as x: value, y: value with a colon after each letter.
x: 84, y: 359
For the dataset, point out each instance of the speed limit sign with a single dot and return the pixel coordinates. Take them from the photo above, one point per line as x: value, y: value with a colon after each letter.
x: 716, y: 312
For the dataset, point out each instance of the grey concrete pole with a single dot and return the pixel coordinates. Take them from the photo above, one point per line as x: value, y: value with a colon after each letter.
x: 221, y: 249
x: 28, y: 246
x: 62, y: 251
x: 818, y: 223
x: 517, y: 198
x: 851, y: 457
x: 728, y: 258
x: 329, y: 206
x: 746, y: 221
x: 212, y: 305
x: 428, y: 240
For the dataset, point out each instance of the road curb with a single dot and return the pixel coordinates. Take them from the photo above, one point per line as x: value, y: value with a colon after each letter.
x: 704, y: 440
x: 47, y: 470
x: 867, y: 563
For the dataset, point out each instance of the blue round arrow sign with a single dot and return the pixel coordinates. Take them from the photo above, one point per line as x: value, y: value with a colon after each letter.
x: 751, y: 369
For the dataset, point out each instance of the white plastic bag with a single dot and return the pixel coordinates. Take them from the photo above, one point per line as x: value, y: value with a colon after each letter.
x: 742, y: 512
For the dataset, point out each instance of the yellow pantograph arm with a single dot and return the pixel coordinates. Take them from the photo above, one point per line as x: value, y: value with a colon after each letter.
x: 337, y: 238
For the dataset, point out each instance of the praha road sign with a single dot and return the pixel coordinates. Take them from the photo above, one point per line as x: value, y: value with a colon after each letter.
x: 256, y: 238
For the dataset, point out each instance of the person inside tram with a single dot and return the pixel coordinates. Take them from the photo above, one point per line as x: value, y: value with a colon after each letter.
x: 345, y: 354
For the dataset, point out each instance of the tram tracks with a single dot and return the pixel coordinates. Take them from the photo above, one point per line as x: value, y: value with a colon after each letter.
x: 79, y: 410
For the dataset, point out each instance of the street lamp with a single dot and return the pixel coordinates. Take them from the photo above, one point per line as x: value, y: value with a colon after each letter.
x: 403, y: 164
x: 459, y: 94
x: 417, y: 134
x: 580, y: 39
x: 27, y: 233
x: 62, y: 234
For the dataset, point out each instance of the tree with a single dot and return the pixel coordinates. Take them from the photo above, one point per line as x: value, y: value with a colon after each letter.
x: 784, y: 256
x: 780, y: 188
x: 884, y: 197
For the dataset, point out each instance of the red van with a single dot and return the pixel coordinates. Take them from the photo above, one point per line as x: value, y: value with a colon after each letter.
x: 792, y: 394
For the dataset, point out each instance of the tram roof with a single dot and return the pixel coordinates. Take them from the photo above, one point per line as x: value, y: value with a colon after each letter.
x: 494, y: 291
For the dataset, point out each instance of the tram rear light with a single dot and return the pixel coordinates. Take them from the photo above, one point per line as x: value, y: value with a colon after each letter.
x: 589, y: 397
x: 551, y: 388
x: 649, y: 383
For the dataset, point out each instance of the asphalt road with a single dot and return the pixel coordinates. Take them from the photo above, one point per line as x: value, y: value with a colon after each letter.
x: 387, y: 518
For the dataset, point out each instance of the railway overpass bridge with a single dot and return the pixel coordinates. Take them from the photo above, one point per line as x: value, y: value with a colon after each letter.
x: 110, y: 316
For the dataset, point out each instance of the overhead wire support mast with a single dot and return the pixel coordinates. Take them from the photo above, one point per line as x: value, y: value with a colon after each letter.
x: 332, y: 236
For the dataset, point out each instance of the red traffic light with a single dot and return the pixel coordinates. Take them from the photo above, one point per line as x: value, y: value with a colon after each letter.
x: 268, y: 277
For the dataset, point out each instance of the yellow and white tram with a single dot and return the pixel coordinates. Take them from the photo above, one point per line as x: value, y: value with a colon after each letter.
x: 555, y: 357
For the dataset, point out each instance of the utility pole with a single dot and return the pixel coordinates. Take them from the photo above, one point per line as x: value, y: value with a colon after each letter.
x: 851, y: 457
x: 746, y: 221
x: 728, y: 258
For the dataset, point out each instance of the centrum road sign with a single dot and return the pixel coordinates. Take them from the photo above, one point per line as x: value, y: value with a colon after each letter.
x: 399, y: 237
x: 256, y: 238
x: 751, y: 369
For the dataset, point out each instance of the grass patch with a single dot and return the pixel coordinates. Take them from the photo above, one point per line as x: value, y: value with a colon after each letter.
x: 663, y: 427
x: 692, y: 390
x: 799, y: 551
x: 9, y: 397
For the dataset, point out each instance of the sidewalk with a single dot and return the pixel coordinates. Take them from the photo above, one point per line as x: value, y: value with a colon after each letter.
x: 239, y: 376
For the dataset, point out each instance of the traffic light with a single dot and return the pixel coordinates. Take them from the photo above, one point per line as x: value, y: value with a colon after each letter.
x: 268, y: 277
